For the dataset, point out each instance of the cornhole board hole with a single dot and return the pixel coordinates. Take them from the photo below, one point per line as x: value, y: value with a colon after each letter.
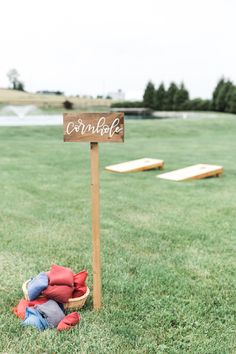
x: 192, y: 172
x: 136, y: 165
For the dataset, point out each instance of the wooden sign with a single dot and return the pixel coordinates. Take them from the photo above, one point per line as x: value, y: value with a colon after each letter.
x: 94, y: 127
x: 193, y: 172
x: 136, y: 165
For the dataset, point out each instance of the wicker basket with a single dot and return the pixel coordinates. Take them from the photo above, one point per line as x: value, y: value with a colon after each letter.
x: 77, y: 302
x: 73, y: 303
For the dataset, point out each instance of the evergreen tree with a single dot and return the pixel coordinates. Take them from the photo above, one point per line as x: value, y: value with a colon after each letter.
x: 148, y: 97
x: 181, y: 98
x: 231, y: 103
x: 223, y: 96
x: 170, y: 97
x: 216, y: 91
x: 159, y: 99
x: 229, y: 97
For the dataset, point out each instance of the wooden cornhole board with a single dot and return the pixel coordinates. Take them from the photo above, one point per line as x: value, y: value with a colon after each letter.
x: 193, y: 172
x: 136, y: 165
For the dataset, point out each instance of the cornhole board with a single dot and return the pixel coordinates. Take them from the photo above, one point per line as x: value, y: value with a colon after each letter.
x: 136, y: 165
x: 192, y: 172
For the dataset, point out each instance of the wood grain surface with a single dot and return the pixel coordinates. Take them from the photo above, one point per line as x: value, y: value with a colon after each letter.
x: 193, y: 172
x: 136, y: 165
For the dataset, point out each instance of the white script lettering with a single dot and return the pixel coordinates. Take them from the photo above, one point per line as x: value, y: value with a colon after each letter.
x: 100, y: 128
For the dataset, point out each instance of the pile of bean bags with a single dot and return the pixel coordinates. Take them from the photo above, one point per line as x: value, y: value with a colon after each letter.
x: 45, y: 295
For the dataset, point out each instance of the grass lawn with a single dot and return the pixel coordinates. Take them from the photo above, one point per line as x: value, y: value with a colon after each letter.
x: 168, y: 248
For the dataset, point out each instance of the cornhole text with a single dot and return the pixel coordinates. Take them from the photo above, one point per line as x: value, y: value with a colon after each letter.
x: 94, y: 128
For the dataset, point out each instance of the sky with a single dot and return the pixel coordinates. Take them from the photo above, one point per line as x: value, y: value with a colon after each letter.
x: 94, y: 47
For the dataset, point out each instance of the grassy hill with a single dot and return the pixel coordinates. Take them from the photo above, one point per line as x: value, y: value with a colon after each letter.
x: 48, y: 101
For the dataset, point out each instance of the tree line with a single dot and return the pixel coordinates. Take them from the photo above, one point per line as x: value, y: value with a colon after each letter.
x: 176, y: 98
x: 161, y: 99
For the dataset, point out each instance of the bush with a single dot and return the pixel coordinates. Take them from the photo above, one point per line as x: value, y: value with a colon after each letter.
x: 198, y: 104
x: 68, y: 105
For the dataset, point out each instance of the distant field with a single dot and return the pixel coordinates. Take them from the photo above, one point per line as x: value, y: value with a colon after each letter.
x: 48, y: 101
x: 168, y: 248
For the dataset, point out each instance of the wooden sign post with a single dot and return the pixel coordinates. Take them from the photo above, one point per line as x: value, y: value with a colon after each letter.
x: 94, y: 128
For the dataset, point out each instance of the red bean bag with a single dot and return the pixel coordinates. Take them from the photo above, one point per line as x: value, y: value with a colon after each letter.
x: 77, y: 293
x: 80, y: 287
x: 19, y: 310
x: 80, y: 278
x: 59, y: 293
x: 61, y: 276
x: 69, y: 321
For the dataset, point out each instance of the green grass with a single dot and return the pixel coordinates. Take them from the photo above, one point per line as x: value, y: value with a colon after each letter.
x: 168, y: 249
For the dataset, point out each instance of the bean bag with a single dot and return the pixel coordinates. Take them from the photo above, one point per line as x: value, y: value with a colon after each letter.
x: 80, y: 292
x: 20, y: 309
x: 52, y: 312
x: 59, y: 293
x: 80, y: 287
x: 37, y: 285
x: 35, y: 319
x: 69, y: 321
x: 59, y: 275
x: 80, y: 278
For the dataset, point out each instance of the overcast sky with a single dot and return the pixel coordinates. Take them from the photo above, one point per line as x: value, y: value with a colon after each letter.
x: 93, y: 47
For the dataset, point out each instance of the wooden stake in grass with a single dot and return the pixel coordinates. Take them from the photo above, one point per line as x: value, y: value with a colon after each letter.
x: 97, y: 296
x: 94, y: 128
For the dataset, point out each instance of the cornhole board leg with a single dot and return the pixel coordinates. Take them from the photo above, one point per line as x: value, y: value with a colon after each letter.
x: 97, y: 294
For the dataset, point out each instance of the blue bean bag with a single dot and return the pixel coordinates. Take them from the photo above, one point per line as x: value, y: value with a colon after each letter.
x: 35, y: 319
x: 37, y: 285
